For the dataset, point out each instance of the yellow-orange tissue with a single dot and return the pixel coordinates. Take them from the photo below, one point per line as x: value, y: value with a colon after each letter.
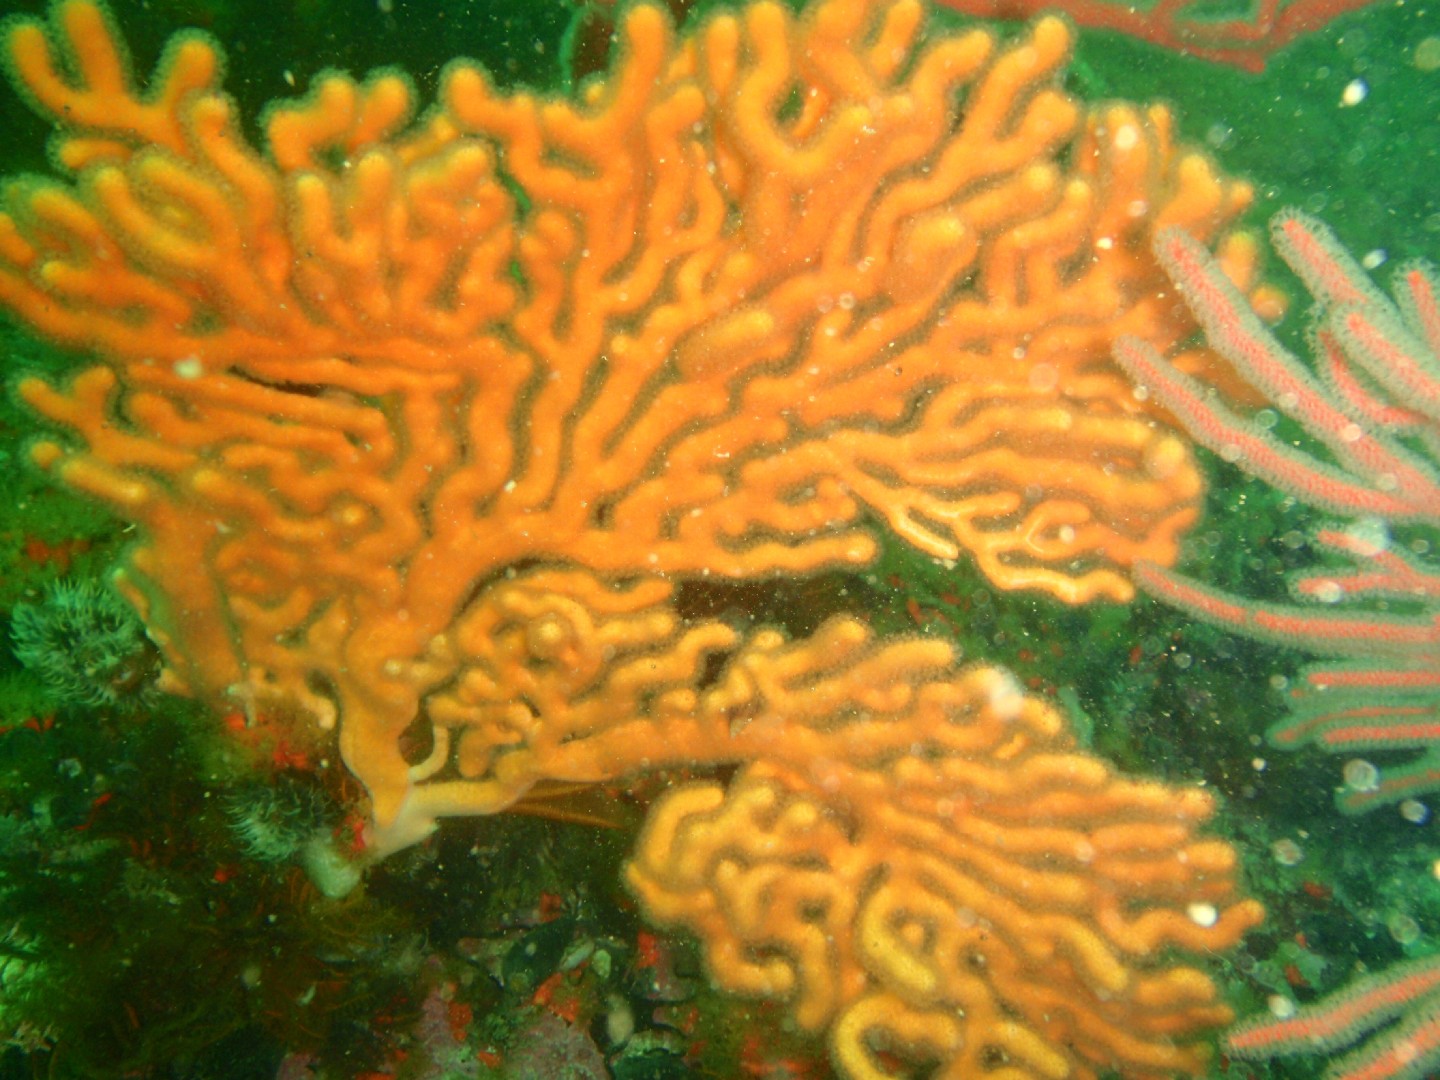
x: 422, y: 419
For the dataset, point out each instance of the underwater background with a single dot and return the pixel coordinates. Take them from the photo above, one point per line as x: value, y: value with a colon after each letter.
x: 156, y: 913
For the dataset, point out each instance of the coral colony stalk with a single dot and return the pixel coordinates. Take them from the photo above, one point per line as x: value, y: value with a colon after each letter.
x: 421, y: 422
x: 1374, y: 407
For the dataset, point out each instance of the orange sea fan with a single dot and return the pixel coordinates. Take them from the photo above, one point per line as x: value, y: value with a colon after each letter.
x: 421, y: 421
x: 773, y: 288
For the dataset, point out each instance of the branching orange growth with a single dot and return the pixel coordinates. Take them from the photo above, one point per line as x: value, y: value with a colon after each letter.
x: 420, y: 420
x: 935, y: 873
x: 919, y: 861
x: 771, y: 286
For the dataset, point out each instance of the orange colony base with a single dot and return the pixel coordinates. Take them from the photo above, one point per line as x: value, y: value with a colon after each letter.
x: 422, y: 421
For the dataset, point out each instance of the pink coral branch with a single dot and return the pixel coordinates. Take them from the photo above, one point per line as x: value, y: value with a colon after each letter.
x: 1420, y: 304
x: 1356, y: 394
x: 1386, y: 573
x: 1335, y: 1020
x: 1261, y: 454
x: 1391, y: 726
x: 1332, y: 633
x: 1337, y: 677
x: 1245, y: 42
x: 1376, y: 410
x: 1376, y: 474
x: 1410, y: 1049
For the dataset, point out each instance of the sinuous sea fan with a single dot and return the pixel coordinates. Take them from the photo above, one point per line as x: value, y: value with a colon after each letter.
x: 675, y: 331
x: 423, y: 422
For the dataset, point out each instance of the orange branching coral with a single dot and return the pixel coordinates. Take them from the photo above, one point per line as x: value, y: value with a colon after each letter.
x: 770, y: 287
x: 422, y: 419
x: 918, y: 860
x: 985, y: 896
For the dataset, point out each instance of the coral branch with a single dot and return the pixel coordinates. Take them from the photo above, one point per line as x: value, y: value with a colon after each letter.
x: 1246, y: 42
x: 1369, y: 411
x: 1375, y: 473
x: 347, y: 383
x: 422, y: 422
x: 925, y: 901
x: 1409, y: 1049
